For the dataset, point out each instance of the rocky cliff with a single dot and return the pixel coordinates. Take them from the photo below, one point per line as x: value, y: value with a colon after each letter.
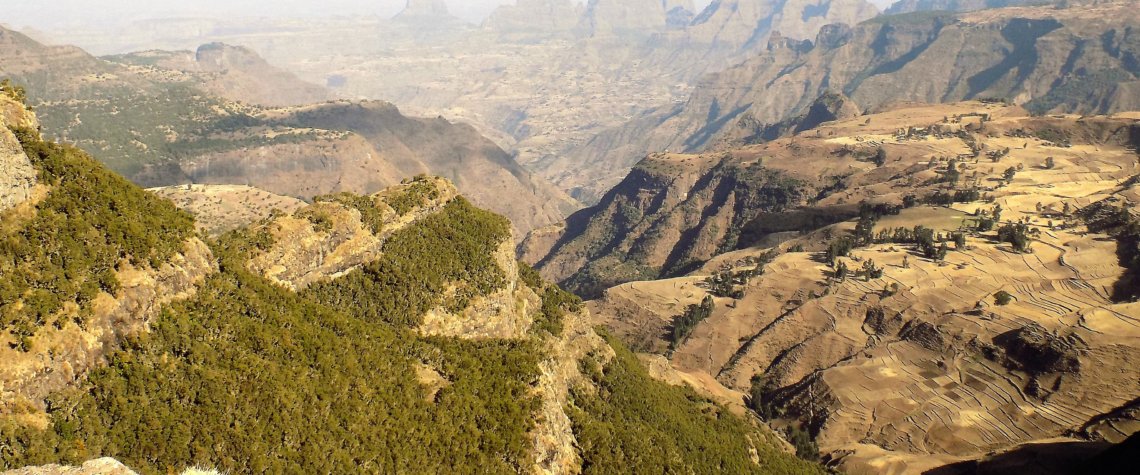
x: 672, y: 212
x: 17, y: 176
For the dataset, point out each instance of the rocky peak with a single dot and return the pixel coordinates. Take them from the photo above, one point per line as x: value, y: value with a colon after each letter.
x: 610, y: 17
x: 678, y: 13
x: 425, y: 8
x: 543, y: 17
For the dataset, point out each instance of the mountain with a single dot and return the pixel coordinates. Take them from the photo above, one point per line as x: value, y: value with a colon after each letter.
x: 933, y: 289
x: 150, y: 117
x: 390, y: 333
x: 1075, y: 59
x: 233, y: 72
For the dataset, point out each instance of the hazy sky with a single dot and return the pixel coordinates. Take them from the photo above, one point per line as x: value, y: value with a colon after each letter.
x: 56, y: 13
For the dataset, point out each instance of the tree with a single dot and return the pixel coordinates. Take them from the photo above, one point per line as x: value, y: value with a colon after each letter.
x: 1003, y: 298
x: 841, y: 271
x: 880, y: 157
x: 1009, y: 174
x: 1016, y: 234
x: 870, y: 271
x: 959, y: 241
x: 1049, y: 163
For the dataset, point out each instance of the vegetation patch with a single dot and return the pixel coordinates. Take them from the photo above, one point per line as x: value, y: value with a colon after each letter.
x: 418, y: 193
x: 454, y: 247
x: 91, y: 221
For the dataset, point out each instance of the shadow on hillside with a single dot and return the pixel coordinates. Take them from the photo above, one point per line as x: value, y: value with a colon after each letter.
x: 1056, y: 458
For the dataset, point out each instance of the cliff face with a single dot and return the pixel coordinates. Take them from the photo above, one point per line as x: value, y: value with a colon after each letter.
x: 736, y: 24
x: 1074, y: 59
x: 671, y: 213
x: 36, y: 362
x: 17, y: 176
x: 534, y: 20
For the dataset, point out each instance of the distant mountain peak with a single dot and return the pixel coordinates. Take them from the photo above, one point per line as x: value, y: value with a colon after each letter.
x: 426, y: 7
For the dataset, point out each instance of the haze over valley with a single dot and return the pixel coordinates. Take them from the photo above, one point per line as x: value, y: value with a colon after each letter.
x: 570, y: 237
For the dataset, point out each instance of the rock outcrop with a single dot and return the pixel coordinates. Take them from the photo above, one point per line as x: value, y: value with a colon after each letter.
x: 306, y: 251
x: 17, y: 175
x: 103, y: 466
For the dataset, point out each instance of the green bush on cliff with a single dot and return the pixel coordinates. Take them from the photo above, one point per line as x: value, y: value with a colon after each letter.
x: 249, y: 377
x: 450, y: 252
x: 90, y: 221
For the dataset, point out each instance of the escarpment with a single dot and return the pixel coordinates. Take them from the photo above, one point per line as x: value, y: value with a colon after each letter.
x: 17, y: 175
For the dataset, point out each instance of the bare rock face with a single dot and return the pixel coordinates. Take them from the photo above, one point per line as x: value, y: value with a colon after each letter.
x: 17, y: 176
x: 103, y: 466
x: 554, y: 441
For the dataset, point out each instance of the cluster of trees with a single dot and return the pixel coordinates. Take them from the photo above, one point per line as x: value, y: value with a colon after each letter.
x: 946, y: 199
x: 1017, y: 235
x: 91, y: 221
x: 636, y: 424
x: 419, y: 191
x: 684, y: 323
x: 419, y: 263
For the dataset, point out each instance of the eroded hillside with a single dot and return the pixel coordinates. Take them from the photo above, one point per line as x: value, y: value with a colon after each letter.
x: 962, y: 288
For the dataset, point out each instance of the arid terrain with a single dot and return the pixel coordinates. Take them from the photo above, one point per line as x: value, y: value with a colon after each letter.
x: 915, y: 366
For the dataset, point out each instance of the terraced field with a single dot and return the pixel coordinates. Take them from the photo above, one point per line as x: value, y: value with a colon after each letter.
x: 918, y: 365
